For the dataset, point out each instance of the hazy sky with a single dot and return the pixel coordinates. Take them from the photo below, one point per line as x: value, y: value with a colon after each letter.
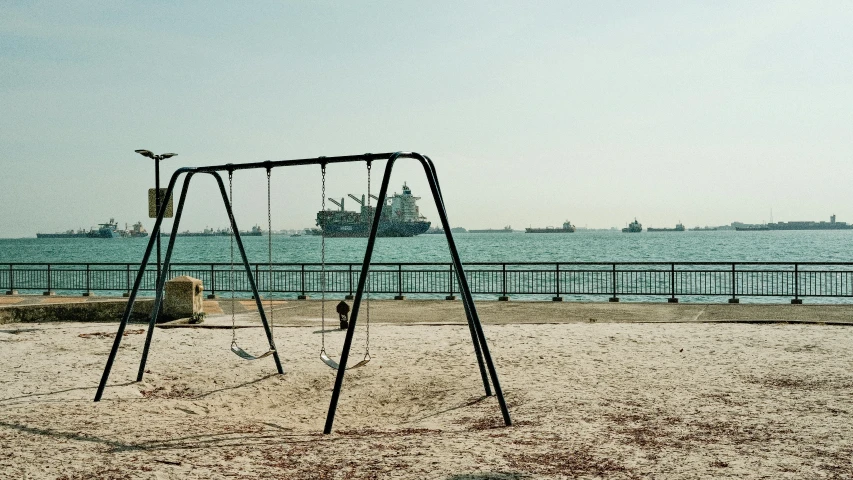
x: 534, y: 112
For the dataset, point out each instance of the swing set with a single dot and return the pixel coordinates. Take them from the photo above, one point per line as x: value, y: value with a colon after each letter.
x: 484, y: 359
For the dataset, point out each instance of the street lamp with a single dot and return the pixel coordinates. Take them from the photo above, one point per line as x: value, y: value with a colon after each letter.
x: 156, y: 158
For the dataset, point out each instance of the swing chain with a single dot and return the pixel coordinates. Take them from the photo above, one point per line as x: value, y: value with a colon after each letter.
x: 367, y: 283
x: 323, y: 258
x: 232, y: 279
x: 269, y: 247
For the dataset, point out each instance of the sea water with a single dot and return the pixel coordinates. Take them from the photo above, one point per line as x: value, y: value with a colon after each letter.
x: 605, y: 247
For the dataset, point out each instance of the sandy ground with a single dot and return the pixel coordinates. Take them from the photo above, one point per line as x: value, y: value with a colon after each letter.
x: 589, y: 399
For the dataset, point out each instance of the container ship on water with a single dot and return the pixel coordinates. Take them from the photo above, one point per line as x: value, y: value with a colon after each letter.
x: 566, y: 228
x: 104, y: 230
x: 400, y: 218
x: 831, y: 225
x: 678, y: 228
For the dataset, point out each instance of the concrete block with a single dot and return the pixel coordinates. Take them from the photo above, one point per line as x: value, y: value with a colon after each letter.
x: 183, y: 298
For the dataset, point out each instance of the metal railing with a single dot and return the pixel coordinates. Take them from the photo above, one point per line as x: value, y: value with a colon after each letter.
x: 536, y: 281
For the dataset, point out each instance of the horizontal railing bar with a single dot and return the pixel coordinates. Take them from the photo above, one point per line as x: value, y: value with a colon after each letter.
x: 728, y: 264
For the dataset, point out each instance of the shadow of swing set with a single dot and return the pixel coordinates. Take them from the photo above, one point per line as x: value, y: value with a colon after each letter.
x: 478, y: 338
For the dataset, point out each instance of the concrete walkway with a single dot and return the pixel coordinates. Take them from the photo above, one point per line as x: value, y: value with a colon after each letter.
x: 439, y: 312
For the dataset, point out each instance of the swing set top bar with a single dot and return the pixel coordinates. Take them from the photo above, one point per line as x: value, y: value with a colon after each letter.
x: 231, y: 167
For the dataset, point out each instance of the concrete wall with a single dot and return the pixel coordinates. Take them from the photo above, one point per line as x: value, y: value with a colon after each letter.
x: 98, y: 311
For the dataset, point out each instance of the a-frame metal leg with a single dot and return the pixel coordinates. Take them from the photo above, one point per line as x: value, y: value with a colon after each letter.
x: 158, y: 295
x: 471, y: 328
x: 155, y: 232
x: 468, y: 299
x: 464, y: 288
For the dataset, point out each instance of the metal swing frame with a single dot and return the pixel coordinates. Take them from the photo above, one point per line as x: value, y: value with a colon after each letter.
x: 487, y: 369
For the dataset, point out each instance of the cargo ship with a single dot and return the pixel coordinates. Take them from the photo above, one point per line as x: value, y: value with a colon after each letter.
x: 506, y: 229
x: 831, y: 225
x: 138, y: 231
x: 566, y: 228
x: 633, y: 227
x: 222, y: 232
x: 104, y: 230
x: 400, y: 218
x: 678, y: 228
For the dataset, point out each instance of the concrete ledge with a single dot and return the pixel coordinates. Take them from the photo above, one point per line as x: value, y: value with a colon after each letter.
x: 100, y: 311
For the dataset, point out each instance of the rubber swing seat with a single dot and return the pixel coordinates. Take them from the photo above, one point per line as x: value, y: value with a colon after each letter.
x: 328, y: 361
x: 248, y: 356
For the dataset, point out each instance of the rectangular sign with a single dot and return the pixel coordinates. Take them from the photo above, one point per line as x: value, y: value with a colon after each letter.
x: 152, y: 205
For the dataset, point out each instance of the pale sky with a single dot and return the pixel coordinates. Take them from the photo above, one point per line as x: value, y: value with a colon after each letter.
x: 534, y: 112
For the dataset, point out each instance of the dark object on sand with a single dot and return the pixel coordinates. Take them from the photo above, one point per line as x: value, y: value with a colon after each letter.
x: 343, y: 311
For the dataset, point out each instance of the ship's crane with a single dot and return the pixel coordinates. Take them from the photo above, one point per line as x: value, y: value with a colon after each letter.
x: 341, y: 205
x: 360, y: 202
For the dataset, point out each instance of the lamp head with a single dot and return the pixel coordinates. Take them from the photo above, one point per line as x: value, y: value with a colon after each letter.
x: 167, y: 155
x: 146, y: 153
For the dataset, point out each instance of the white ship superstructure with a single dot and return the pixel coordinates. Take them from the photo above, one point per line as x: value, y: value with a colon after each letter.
x: 404, y: 206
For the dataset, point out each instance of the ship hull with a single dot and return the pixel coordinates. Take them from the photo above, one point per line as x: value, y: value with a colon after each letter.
x: 386, y: 229
x: 776, y: 228
x: 213, y: 234
x: 62, y: 235
x: 549, y: 230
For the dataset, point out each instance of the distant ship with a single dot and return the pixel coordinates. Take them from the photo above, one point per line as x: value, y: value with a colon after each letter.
x: 104, y: 230
x: 633, y: 227
x: 222, y: 232
x: 678, y: 228
x: 137, y: 231
x: 567, y: 228
x: 831, y: 225
x: 506, y: 229
x: 400, y: 218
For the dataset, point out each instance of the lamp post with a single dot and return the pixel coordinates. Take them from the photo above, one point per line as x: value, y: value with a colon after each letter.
x: 157, y: 159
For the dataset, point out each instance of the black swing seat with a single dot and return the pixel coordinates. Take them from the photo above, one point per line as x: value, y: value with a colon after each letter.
x: 248, y: 356
x: 328, y: 361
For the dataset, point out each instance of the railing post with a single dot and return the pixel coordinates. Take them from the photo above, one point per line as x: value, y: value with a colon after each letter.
x: 450, y: 296
x: 400, y: 295
x: 672, y: 299
x: 11, y: 290
x: 734, y: 298
x: 504, y: 297
x: 212, y: 294
x: 256, y: 281
x: 558, y: 298
x: 797, y: 300
x: 126, y: 292
x: 88, y: 292
x: 49, y: 291
x: 614, y: 298
x: 349, y: 283
x: 302, y: 281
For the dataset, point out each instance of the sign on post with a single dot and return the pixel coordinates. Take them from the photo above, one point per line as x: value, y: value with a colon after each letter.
x: 152, y: 204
